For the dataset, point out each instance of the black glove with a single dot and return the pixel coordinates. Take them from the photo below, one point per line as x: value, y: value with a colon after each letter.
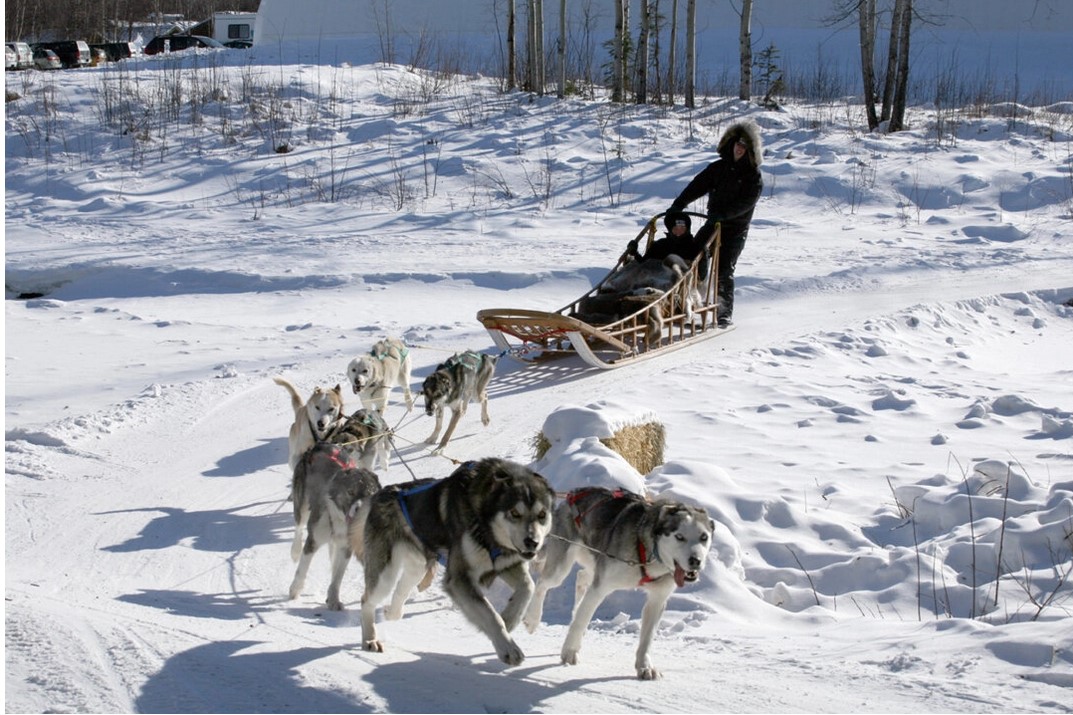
x: 631, y: 248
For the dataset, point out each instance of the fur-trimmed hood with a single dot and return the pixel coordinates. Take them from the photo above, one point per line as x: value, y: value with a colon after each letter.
x: 751, y: 133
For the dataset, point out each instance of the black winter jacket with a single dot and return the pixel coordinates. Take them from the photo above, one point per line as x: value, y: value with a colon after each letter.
x: 733, y: 187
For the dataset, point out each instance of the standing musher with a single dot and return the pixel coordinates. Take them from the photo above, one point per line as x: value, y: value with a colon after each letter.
x: 733, y: 185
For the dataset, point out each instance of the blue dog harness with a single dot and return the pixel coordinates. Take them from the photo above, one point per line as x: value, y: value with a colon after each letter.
x: 494, y: 552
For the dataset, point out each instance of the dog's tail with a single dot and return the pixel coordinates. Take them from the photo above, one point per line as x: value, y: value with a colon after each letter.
x: 296, y: 400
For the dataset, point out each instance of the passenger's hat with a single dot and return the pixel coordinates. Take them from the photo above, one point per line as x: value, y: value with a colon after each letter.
x: 672, y: 219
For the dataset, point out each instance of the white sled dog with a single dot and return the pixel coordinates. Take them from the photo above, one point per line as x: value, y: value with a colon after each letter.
x: 373, y: 375
x: 331, y: 493
x: 621, y: 541
x: 456, y: 382
x: 489, y: 518
x: 313, y: 418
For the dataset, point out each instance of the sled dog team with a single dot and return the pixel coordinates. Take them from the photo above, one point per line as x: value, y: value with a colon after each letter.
x: 490, y: 518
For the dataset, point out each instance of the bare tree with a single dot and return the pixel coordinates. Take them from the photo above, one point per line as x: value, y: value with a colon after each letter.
x: 745, y: 50
x: 538, y: 49
x: 618, y: 47
x: 672, y: 53
x: 896, y: 78
x: 641, y: 59
x: 892, y: 58
x: 691, y: 53
x: 901, y: 72
x: 867, y: 26
x: 562, y: 49
x: 512, y: 60
x: 535, y: 47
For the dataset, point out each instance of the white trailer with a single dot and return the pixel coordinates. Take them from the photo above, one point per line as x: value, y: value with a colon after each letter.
x: 233, y: 26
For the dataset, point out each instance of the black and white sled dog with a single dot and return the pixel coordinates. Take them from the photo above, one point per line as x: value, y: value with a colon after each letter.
x: 489, y: 518
x: 331, y: 496
x: 621, y: 541
x: 366, y: 435
x: 456, y: 382
x: 313, y: 418
x: 385, y: 366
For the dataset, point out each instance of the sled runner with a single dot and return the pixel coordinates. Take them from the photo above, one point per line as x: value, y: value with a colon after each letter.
x: 634, y: 313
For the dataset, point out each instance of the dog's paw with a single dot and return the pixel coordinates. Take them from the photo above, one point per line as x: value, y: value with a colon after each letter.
x: 569, y: 656
x: 334, y: 604
x: 373, y: 646
x: 295, y: 591
x: 648, y: 673
x: 438, y: 451
x: 530, y: 624
x: 512, y: 654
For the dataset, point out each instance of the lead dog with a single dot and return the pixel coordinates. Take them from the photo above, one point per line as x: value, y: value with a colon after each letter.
x: 489, y: 518
x: 313, y: 418
x: 621, y: 541
x: 456, y: 382
x: 373, y: 375
x: 331, y: 494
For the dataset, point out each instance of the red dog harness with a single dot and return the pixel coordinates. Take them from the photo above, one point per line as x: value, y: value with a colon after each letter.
x: 578, y: 494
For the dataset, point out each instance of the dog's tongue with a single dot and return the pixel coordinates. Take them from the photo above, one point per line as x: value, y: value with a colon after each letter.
x: 679, y: 575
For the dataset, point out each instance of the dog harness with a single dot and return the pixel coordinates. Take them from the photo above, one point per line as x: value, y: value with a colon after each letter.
x: 578, y: 494
x: 336, y: 457
x: 470, y: 360
x: 494, y: 552
x: 401, y: 353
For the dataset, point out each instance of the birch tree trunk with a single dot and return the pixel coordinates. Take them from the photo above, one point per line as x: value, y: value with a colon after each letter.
x: 641, y: 58
x: 691, y: 53
x: 562, y: 49
x: 672, y: 53
x: 616, y: 50
x: 867, y: 24
x: 512, y: 68
x: 538, y: 33
x: 901, y: 86
x: 745, y: 49
x: 892, y: 59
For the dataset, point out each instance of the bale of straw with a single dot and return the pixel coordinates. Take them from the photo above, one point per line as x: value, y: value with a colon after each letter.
x: 641, y: 445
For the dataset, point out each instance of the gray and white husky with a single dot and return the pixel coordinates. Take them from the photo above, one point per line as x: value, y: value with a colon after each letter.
x: 331, y: 495
x: 621, y: 541
x: 489, y: 518
x: 455, y: 383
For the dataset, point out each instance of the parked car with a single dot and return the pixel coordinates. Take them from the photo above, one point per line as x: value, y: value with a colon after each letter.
x: 11, y: 58
x: 238, y: 44
x: 115, y: 51
x: 46, y: 59
x: 72, y: 53
x: 175, y: 43
x: 23, y: 53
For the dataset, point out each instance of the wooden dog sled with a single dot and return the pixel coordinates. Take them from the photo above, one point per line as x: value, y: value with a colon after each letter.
x: 608, y: 329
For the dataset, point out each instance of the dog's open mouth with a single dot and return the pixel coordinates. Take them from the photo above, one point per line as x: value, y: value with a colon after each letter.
x: 528, y: 554
x: 682, y: 577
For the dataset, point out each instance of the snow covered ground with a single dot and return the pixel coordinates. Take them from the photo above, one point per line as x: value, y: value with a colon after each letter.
x: 884, y: 441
